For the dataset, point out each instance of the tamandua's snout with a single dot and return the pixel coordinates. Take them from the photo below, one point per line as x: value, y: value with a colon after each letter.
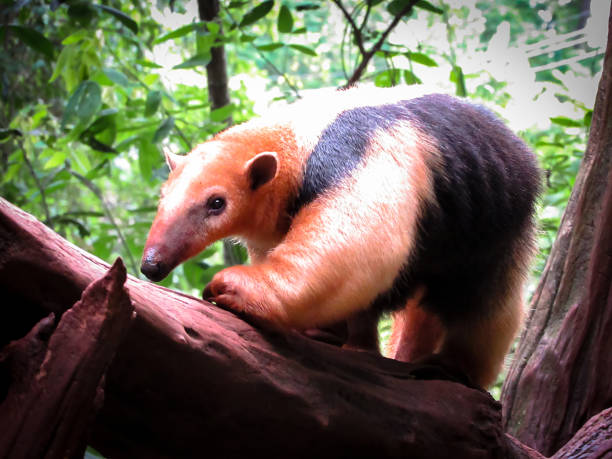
x: 153, y: 265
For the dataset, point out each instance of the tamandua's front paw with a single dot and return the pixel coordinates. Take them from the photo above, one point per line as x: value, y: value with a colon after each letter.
x: 227, y: 290
x: 239, y: 289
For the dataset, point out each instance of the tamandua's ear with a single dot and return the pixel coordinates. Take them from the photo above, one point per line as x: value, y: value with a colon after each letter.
x: 172, y: 160
x: 261, y: 169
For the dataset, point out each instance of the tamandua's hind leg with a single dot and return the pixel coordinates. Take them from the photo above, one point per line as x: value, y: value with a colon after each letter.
x: 475, y: 347
x: 478, y: 346
x: 416, y: 333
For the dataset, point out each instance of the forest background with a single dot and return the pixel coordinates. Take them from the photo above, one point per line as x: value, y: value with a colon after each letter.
x: 91, y: 93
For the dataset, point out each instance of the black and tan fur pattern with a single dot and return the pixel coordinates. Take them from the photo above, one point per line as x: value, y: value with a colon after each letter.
x: 365, y: 199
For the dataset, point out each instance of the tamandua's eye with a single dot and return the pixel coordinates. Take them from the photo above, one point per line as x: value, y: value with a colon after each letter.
x: 215, y: 205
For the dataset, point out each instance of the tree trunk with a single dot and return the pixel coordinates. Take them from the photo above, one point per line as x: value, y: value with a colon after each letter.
x: 190, y: 379
x: 563, y: 367
x: 216, y: 70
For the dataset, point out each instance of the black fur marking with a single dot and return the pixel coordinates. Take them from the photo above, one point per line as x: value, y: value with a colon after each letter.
x: 485, y: 188
x: 481, y: 225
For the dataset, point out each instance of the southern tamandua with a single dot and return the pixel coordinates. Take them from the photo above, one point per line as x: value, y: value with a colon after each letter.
x: 359, y: 201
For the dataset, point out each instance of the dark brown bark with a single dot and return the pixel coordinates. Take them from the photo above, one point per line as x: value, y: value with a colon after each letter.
x: 52, y: 378
x: 562, y: 370
x: 216, y: 70
x: 190, y: 379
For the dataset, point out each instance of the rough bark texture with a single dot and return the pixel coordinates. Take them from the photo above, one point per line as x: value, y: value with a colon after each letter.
x: 593, y: 440
x: 190, y: 378
x: 563, y: 367
x: 52, y: 378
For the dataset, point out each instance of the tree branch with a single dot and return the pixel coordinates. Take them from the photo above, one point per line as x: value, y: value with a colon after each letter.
x: 190, y: 378
x: 356, y: 30
x: 366, y: 56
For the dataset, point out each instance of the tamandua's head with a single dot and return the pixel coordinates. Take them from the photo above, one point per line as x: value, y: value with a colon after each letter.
x: 210, y: 194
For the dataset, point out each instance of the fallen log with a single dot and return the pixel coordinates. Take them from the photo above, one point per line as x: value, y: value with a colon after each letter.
x: 190, y: 379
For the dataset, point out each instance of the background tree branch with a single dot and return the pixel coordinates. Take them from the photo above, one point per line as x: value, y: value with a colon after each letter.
x: 367, y: 54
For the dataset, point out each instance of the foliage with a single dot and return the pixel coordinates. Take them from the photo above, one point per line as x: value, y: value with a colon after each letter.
x: 92, y: 91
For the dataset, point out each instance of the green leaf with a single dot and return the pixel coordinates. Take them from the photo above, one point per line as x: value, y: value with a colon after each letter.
x: 222, y: 113
x: 588, y: 117
x: 567, y: 122
x: 305, y: 6
x: 285, y: 20
x: 105, y: 120
x: 116, y: 76
x: 75, y: 37
x: 37, y: 117
x: 411, y: 78
x: 257, y: 13
x: 148, y: 155
x: 152, y: 103
x: 428, y: 6
x: 150, y: 79
x: 11, y: 172
x: 17, y: 155
x: 101, y: 78
x: 126, y: 143
x: 204, y: 41
x: 397, y: 6
x: 55, y: 160
x: 213, y: 27
x: 120, y: 16
x: 177, y: 33
x: 458, y: 78
x: 388, y: 78
x: 422, y: 59
x: 270, y: 46
x: 33, y: 38
x: 102, y: 133
x: 163, y: 130
x: 80, y: 161
x: 147, y: 63
x: 303, y: 49
x: 83, y: 104
x: 195, y: 61
x: 63, y: 61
